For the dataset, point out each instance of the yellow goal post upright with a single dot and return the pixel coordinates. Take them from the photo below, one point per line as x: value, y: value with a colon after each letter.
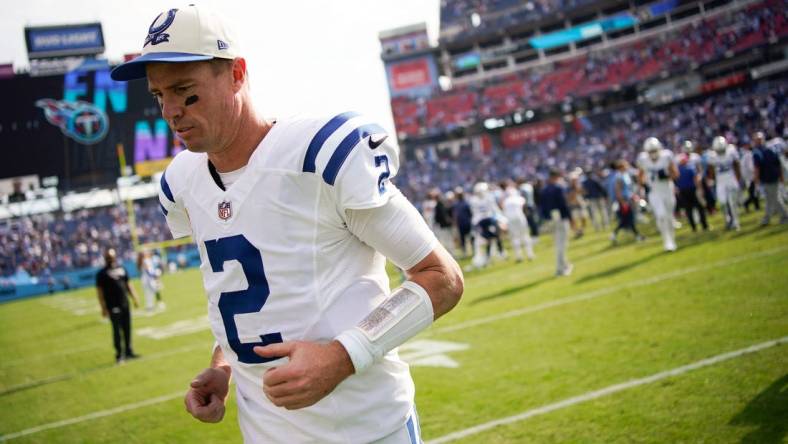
x: 132, y: 216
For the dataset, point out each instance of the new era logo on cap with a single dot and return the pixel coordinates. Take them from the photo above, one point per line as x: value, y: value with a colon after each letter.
x: 187, y: 34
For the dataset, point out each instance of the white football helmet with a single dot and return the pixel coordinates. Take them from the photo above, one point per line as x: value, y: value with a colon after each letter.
x: 652, y: 146
x: 481, y: 188
x: 719, y: 144
x: 688, y: 147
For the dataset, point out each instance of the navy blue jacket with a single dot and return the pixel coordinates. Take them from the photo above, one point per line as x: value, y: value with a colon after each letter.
x: 552, y: 198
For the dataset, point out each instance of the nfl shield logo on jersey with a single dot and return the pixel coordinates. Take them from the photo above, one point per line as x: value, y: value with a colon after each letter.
x: 225, y: 210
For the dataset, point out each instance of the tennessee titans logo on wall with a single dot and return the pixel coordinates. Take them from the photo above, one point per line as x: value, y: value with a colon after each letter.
x: 156, y: 32
x: 81, y: 121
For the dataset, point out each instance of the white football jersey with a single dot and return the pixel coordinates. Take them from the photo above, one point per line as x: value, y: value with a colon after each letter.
x: 483, y: 207
x: 513, y: 207
x: 656, y: 171
x: 723, y: 166
x: 279, y: 264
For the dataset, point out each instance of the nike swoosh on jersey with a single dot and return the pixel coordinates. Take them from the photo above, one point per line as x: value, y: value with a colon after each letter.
x: 374, y: 143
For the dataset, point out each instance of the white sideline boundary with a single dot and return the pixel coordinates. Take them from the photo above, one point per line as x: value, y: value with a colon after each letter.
x: 602, y: 292
x: 569, y: 402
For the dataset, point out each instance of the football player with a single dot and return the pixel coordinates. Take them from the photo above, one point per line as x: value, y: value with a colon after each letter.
x: 486, y: 218
x: 294, y: 220
x: 514, y: 211
x: 724, y: 170
x: 658, y: 171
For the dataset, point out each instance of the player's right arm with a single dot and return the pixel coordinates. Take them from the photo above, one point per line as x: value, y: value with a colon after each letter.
x: 171, y: 203
x: 619, y: 191
x: 208, y: 391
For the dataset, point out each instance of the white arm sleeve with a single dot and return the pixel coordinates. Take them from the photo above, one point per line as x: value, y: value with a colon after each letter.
x: 395, y: 229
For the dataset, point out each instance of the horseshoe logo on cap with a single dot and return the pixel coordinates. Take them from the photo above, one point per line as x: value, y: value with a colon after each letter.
x: 156, y: 34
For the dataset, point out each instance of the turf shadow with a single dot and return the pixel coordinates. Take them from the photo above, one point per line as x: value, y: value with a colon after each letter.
x: 511, y: 290
x: 46, y: 381
x: 592, y: 253
x: 610, y: 272
x: 769, y: 412
x: 771, y: 230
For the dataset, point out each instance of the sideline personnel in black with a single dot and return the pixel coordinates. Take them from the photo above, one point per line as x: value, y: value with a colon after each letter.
x: 112, y: 285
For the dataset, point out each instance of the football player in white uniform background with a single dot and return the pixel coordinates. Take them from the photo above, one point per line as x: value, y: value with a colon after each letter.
x: 486, y: 220
x: 514, y: 211
x: 724, y: 169
x: 294, y: 220
x: 658, y: 171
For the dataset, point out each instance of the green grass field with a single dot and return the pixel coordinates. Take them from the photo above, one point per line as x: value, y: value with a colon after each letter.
x: 523, y: 342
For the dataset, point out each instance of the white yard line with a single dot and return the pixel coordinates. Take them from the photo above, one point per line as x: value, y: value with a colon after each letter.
x: 602, y: 292
x: 460, y: 434
x: 94, y: 415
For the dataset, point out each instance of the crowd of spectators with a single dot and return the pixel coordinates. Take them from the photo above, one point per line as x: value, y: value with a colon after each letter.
x: 736, y: 113
x: 675, y: 52
x: 457, y: 16
x: 47, y: 243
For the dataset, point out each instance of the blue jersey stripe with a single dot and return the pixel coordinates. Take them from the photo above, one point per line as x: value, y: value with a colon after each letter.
x: 163, y: 210
x: 344, y: 149
x: 166, y: 187
x: 411, y: 430
x: 320, y: 138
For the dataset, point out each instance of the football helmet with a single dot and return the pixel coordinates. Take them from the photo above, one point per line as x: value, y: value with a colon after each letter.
x: 719, y: 144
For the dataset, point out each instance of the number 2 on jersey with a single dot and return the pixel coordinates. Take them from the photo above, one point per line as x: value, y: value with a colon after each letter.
x: 382, y: 160
x: 250, y: 300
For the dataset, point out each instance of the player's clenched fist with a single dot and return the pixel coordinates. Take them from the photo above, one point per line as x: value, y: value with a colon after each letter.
x: 312, y: 372
x: 206, y: 395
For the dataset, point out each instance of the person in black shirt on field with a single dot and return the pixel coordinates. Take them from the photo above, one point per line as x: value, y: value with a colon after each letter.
x: 112, y: 285
x: 554, y: 207
x: 461, y: 213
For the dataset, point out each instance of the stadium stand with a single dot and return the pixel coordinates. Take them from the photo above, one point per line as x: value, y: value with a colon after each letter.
x: 457, y: 16
x: 648, y: 58
x: 46, y: 247
x: 736, y: 113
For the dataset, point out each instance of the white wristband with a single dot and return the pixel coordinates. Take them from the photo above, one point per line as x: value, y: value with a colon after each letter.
x: 357, y: 346
x: 401, y: 316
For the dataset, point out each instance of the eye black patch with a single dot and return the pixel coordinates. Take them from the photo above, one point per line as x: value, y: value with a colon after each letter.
x: 191, y: 100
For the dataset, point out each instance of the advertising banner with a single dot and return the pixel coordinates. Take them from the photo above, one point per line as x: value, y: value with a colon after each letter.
x: 536, y: 132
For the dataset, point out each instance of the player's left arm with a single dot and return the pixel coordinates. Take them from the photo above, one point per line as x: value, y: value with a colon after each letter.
x: 378, y: 215
x: 433, y: 288
x: 673, y: 171
x: 737, y: 170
